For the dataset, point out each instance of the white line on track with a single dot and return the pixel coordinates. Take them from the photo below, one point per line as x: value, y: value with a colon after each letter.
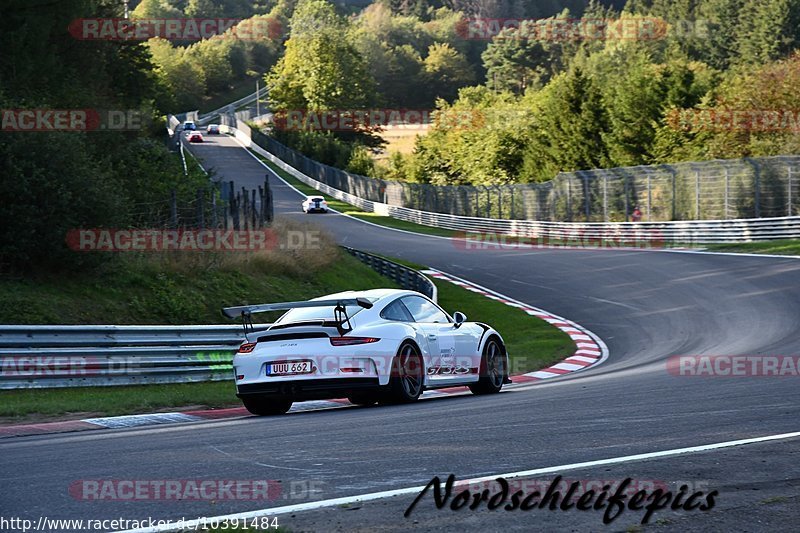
x: 310, y: 506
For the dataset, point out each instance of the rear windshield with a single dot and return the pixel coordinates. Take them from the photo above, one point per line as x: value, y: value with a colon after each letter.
x: 315, y: 198
x: 311, y: 314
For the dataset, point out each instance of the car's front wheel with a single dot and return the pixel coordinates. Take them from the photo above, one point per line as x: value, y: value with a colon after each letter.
x: 262, y: 406
x: 406, y: 382
x: 493, y: 370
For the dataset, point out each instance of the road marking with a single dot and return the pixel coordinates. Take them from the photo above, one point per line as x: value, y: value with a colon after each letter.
x: 321, y: 504
x: 589, y: 345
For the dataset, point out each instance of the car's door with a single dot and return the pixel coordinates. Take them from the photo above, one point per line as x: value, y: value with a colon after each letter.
x: 444, y: 341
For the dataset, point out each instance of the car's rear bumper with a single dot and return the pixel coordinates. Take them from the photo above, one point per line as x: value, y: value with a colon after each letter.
x: 309, y: 389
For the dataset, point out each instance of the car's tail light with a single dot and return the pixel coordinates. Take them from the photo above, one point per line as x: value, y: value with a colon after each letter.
x: 247, y: 347
x: 350, y: 341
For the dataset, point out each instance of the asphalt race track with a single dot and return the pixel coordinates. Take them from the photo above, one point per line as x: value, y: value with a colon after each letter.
x: 645, y: 305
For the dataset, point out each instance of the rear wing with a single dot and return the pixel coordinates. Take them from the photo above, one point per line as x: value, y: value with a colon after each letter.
x: 245, y: 311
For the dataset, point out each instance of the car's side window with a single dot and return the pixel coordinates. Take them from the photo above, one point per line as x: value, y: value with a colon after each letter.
x: 396, y: 311
x: 424, y: 311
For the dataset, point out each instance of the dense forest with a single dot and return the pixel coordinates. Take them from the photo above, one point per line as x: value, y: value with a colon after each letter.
x: 542, y: 103
x: 538, y: 102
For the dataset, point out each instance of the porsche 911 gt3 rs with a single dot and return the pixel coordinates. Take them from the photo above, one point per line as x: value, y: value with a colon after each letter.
x: 380, y: 345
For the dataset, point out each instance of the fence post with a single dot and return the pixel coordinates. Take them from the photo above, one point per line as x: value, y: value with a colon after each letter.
x: 674, y: 195
x: 213, y: 208
x: 756, y: 187
x: 234, y: 207
x: 727, y: 186
x: 253, y: 211
x: 173, y: 209
x: 625, y: 188
x: 586, y: 206
x: 569, y: 200
x: 512, y: 202
x: 649, y: 199
x: 789, y: 191
x: 499, y: 202
x: 696, y: 195
x: 605, y: 198
x: 245, y: 210
x: 201, y: 222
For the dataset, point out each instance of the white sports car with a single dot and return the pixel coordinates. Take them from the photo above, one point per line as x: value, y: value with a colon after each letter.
x: 380, y: 345
x: 315, y: 203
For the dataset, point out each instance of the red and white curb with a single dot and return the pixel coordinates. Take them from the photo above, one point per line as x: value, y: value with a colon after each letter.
x: 591, y: 350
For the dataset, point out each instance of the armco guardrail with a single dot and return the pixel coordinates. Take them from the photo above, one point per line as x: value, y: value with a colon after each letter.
x: 640, y: 234
x: 406, y: 277
x: 84, y: 356
x: 230, y: 108
x: 74, y: 356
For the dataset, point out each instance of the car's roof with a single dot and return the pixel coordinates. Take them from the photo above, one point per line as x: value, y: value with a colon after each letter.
x: 314, y: 196
x: 372, y: 294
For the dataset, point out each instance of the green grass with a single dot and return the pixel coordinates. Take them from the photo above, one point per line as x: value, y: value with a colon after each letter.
x: 532, y: 343
x: 21, y: 406
x: 779, y: 247
x: 347, y: 209
x: 144, y: 291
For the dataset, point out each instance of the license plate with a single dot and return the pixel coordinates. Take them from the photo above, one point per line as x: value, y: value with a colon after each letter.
x: 289, y: 367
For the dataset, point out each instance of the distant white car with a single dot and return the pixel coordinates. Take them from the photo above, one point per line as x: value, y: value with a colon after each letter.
x: 315, y: 204
x: 212, y: 129
x: 379, y: 345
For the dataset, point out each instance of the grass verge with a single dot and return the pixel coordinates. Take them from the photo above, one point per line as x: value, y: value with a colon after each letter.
x: 779, y: 247
x: 532, y: 343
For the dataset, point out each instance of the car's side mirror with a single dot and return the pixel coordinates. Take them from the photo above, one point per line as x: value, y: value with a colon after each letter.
x: 460, y: 318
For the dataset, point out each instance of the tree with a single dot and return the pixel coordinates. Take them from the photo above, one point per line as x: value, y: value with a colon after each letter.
x: 446, y: 70
x: 321, y: 68
x: 770, y: 29
x: 202, y: 9
x: 569, y: 130
x: 156, y: 9
x: 514, y: 62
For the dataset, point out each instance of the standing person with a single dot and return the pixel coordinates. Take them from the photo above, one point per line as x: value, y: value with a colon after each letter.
x: 637, y: 214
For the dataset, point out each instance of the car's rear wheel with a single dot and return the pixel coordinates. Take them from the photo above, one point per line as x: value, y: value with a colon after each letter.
x: 264, y: 406
x: 493, y: 370
x: 406, y: 382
